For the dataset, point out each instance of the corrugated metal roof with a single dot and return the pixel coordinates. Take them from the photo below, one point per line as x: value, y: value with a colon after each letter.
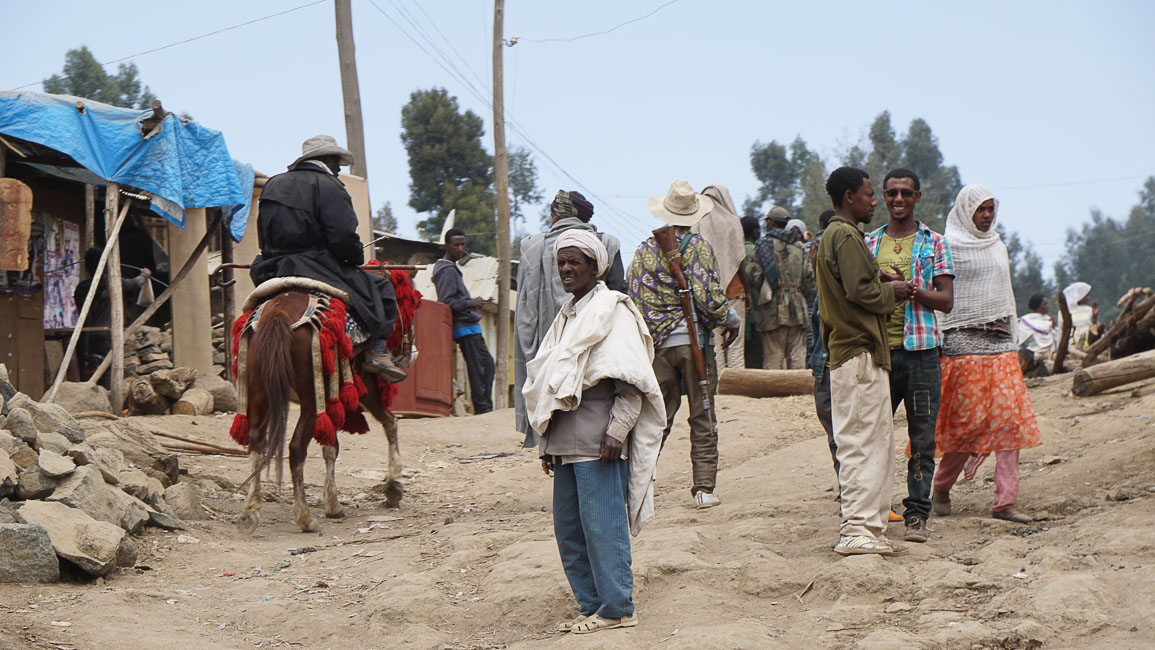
x: 480, y: 275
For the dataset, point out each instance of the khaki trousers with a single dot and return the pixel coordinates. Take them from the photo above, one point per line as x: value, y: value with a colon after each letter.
x: 735, y: 356
x: 864, y: 436
x: 674, y: 368
x: 784, y: 348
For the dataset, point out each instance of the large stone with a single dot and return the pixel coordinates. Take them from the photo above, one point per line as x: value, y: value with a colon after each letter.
x: 50, y: 417
x: 138, y: 446
x: 171, y: 383
x: 7, y: 512
x: 184, y: 501
x: 9, y: 443
x: 165, y: 521
x: 34, y: 484
x: 53, y: 441
x: 7, y: 391
x: 78, y: 397
x: 140, y: 485
x: 25, y: 457
x: 21, y: 425
x: 54, y: 465
x: 9, y: 475
x: 128, y: 552
x: 85, y: 489
x: 223, y: 392
x: 76, y: 537
x: 26, y: 554
x: 109, y: 461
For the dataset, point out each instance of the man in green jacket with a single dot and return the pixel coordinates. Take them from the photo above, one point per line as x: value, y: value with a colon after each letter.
x: 854, y: 300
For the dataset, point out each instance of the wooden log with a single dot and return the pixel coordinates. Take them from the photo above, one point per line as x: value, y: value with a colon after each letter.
x: 143, y: 400
x: 1122, y: 324
x: 752, y: 382
x: 194, y: 441
x: 1107, y: 375
x: 195, y: 401
x: 172, y: 382
x: 1065, y: 337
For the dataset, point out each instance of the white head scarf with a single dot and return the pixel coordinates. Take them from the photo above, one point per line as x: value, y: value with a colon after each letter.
x: 1075, y: 292
x: 982, y: 285
x: 797, y: 224
x: 586, y: 242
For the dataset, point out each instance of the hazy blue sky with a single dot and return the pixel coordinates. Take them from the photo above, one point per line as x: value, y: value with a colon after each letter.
x: 1051, y: 104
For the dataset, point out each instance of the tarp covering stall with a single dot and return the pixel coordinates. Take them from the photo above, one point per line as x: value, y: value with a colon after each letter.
x: 181, y: 164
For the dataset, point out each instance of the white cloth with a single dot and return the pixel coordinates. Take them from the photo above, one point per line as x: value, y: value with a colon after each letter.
x: 1082, y: 316
x: 797, y: 224
x: 1037, y: 333
x: 586, y: 242
x: 607, y: 339
x: 1075, y: 292
x: 723, y: 229
x: 982, y: 283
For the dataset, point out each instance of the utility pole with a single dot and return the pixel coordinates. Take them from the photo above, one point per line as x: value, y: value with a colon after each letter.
x: 501, y: 178
x: 350, y: 90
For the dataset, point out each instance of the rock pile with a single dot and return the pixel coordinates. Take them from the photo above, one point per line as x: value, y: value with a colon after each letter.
x: 73, y: 495
x: 146, y: 351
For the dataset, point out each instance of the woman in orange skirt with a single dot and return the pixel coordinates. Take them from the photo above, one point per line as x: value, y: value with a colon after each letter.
x: 985, y: 407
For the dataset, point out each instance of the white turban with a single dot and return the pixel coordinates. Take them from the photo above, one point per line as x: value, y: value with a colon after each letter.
x: 1075, y: 292
x: 797, y: 224
x: 586, y: 242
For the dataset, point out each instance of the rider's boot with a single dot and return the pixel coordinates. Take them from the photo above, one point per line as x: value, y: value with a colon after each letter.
x: 378, y: 361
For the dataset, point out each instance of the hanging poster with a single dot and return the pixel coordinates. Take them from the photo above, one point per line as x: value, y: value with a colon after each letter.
x: 61, y: 272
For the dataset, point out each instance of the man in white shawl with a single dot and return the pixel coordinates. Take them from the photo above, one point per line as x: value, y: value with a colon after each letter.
x: 1037, y: 335
x: 540, y: 293
x: 592, y: 395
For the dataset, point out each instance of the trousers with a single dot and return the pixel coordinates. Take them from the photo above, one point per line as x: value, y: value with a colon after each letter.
x: 784, y: 348
x: 674, y: 367
x: 915, y: 378
x: 1006, y: 475
x: 864, y: 434
x: 592, y: 529
x: 479, y: 368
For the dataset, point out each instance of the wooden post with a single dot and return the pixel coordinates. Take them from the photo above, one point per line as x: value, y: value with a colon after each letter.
x: 192, y: 339
x: 89, y: 217
x: 1065, y: 337
x: 228, y: 304
x: 84, y: 312
x: 116, y: 300
x: 350, y: 90
x: 501, y: 178
x: 194, y: 260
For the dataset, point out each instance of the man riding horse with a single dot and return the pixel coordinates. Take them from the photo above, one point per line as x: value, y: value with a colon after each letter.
x: 307, y: 228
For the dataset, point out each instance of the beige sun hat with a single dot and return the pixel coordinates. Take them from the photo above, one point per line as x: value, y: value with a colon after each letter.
x: 681, y: 206
x: 323, y: 145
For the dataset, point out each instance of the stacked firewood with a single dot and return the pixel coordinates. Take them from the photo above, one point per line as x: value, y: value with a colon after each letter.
x: 1128, y: 344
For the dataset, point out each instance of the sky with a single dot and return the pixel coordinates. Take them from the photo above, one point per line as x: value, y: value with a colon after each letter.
x: 1049, y: 104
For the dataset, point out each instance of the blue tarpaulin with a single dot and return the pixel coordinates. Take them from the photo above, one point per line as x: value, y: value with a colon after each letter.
x: 183, y: 164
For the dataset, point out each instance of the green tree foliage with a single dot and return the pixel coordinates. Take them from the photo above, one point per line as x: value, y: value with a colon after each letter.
x: 523, y: 189
x: 1112, y: 256
x: 83, y: 76
x: 449, y: 169
x: 794, y: 176
x: 384, y: 219
x: 1026, y: 271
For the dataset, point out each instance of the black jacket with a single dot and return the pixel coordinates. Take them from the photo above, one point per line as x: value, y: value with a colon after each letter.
x: 307, y: 227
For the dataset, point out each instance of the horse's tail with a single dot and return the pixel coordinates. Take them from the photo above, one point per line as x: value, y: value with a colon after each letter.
x: 272, y: 370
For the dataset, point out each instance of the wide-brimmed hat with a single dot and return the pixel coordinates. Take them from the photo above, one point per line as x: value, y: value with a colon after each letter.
x: 681, y: 206
x: 323, y: 145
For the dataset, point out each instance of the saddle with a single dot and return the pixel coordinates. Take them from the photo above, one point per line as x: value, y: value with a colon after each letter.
x: 320, y: 296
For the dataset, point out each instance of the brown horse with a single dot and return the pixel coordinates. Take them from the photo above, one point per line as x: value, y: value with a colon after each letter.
x: 280, y: 359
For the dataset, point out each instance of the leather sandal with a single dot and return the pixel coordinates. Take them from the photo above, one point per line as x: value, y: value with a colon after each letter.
x: 1012, y: 515
x: 568, y: 626
x: 596, y: 623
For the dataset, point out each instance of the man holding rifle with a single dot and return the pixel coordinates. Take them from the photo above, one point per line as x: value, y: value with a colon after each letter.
x: 674, y: 281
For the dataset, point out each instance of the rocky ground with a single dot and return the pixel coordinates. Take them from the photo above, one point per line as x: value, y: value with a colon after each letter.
x: 469, y: 560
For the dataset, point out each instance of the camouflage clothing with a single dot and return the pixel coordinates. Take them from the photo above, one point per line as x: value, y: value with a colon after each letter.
x: 783, y: 264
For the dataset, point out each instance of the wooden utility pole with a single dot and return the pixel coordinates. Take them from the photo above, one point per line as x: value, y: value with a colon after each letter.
x: 116, y: 300
x: 350, y: 90
x: 501, y: 177
x: 89, y: 218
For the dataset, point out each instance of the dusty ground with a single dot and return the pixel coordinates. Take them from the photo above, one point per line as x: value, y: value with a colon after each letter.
x: 469, y: 560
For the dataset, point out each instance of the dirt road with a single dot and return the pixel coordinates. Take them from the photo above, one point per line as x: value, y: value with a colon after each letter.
x: 469, y: 559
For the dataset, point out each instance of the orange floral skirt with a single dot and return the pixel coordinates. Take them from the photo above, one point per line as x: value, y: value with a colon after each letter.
x: 985, y: 406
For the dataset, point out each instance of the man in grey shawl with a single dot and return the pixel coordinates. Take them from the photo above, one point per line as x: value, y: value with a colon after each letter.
x: 723, y: 229
x: 540, y: 293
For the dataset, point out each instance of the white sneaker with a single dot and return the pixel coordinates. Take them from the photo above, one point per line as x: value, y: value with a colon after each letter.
x: 706, y: 500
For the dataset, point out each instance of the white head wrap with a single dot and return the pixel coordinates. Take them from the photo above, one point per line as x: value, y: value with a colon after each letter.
x: 1075, y: 292
x: 797, y: 224
x: 586, y: 242
x: 982, y: 285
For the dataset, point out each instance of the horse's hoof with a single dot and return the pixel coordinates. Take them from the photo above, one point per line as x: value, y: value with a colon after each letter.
x: 311, y: 527
x: 247, y: 522
x: 389, y: 503
x: 337, y: 514
x: 393, y: 493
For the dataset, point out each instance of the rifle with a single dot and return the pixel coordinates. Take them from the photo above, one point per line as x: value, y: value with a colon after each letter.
x: 672, y: 256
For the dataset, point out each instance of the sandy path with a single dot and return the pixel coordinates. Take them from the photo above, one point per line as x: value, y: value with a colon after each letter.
x: 469, y: 560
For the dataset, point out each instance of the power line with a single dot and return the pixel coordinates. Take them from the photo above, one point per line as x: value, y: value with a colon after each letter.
x: 603, y: 32
x: 189, y: 40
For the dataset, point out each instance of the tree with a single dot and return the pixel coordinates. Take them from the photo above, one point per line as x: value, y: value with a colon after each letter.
x: 523, y: 189
x: 449, y: 169
x: 786, y: 173
x: 1112, y: 256
x: 1026, y: 271
x: 83, y: 76
x: 384, y: 220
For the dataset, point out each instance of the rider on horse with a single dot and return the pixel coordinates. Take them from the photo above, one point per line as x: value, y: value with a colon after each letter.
x: 307, y: 228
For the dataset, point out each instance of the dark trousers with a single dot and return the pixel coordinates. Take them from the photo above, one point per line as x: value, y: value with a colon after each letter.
x: 479, y: 367
x: 916, y: 379
x: 674, y: 368
x: 822, y: 407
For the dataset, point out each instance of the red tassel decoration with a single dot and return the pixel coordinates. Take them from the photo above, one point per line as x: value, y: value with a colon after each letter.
x: 355, y: 422
x: 336, y: 413
x: 349, y: 396
x: 361, y: 390
x: 328, y: 359
x: 323, y: 431
x: 240, y: 429
x: 238, y: 327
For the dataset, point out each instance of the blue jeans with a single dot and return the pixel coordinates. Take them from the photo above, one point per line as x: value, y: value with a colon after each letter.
x: 916, y: 378
x: 593, y: 536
